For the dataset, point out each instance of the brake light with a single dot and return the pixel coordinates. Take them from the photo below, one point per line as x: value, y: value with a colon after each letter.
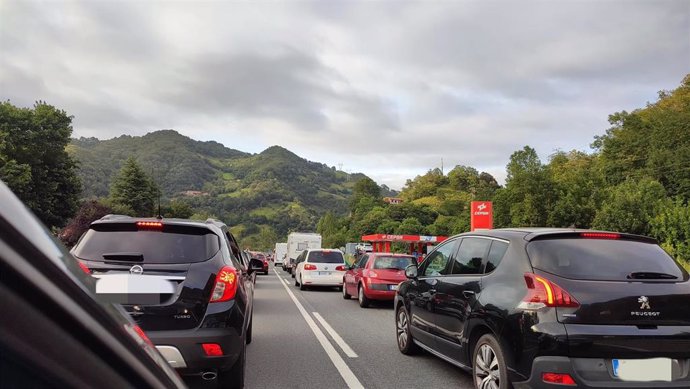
x: 212, y: 349
x: 599, y: 235
x: 308, y: 266
x: 340, y: 268
x: 84, y: 268
x: 226, y: 285
x: 544, y: 293
x: 558, y: 378
x: 150, y: 225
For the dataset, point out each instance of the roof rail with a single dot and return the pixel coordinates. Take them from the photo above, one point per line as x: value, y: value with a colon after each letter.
x: 212, y: 220
x: 115, y: 216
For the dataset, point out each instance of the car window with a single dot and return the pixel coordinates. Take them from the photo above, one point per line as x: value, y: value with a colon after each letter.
x: 600, y: 259
x: 436, y: 264
x: 393, y: 262
x: 192, y: 245
x: 471, y: 255
x: 326, y: 257
x: 235, y: 251
x: 496, y: 253
x: 363, y: 262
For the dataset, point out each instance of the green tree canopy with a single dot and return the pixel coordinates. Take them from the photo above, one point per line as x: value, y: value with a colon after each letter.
x: 133, y: 188
x: 34, y: 163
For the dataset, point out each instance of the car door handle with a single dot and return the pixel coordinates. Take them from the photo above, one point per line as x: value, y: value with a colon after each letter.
x: 468, y: 293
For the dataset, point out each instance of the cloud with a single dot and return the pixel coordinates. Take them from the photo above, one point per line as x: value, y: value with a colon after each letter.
x: 387, y: 88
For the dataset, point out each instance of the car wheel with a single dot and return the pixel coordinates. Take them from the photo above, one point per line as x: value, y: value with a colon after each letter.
x: 489, y: 366
x: 402, y: 331
x: 296, y: 282
x: 266, y: 273
x: 362, y: 298
x: 234, y: 378
x: 346, y: 296
x: 301, y: 284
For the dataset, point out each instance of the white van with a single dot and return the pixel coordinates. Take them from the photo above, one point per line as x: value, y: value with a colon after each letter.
x: 297, y: 243
x: 279, y: 253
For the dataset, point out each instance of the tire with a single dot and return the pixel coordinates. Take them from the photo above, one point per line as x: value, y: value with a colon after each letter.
x: 296, y: 283
x: 301, y: 284
x: 234, y: 378
x: 406, y: 344
x: 486, y: 352
x: 362, y: 298
x: 346, y: 296
x: 266, y: 273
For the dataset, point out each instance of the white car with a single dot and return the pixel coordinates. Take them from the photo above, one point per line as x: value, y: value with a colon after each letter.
x: 322, y: 267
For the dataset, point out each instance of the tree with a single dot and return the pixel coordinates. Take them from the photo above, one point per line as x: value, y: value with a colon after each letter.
x: 630, y: 206
x: 577, y: 185
x: 89, y: 211
x: 133, y: 188
x: 671, y: 226
x: 528, y: 189
x: 34, y: 163
x: 411, y: 226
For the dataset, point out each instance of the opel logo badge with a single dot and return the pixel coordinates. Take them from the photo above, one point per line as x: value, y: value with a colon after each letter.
x: 136, y: 269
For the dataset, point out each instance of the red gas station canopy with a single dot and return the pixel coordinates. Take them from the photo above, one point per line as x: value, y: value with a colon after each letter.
x: 382, y: 242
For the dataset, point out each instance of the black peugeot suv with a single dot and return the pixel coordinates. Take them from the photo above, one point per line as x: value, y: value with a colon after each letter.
x: 550, y: 308
x: 185, y: 285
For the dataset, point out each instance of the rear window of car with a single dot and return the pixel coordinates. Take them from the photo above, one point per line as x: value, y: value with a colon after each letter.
x: 326, y: 257
x: 599, y: 259
x: 392, y: 262
x: 192, y: 245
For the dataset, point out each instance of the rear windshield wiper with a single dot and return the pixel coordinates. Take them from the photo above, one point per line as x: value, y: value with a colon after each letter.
x: 650, y: 275
x: 124, y: 257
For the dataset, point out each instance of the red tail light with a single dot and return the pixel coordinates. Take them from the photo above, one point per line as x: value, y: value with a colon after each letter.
x: 600, y: 235
x: 150, y: 225
x: 544, y: 293
x: 340, y: 268
x: 212, y: 349
x: 84, y: 268
x: 226, y: 285
x: 308, y: 266
x: 558, y: 378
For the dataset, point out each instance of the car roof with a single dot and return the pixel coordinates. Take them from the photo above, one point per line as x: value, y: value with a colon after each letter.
x: 107, y: 219
x: 532, y: 233
x: 381, y: 253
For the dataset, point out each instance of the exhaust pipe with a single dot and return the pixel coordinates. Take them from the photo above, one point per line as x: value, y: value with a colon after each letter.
x: 209, y: 375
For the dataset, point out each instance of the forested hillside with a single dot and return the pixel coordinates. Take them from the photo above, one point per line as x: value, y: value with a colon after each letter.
x: 262, y: 196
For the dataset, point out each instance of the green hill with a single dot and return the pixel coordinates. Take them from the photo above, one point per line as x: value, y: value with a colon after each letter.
x: 272, y: 192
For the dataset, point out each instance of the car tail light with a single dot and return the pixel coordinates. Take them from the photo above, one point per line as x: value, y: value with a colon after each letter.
x: 226, y: 285
x: 558, y: 378
x: 340, y: 268
x: 544, y: 293
x: 600, y: 235
x: 309, y: 266
x: 150, y: 225
x: 138, y: 334
x: 212, y: 349
x: 84, y: 268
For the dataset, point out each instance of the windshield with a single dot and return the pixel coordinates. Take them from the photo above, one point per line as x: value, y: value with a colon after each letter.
x: 147, y: 246
x: 325, y: 257
x: 399, y: 263
x: 599, y: 259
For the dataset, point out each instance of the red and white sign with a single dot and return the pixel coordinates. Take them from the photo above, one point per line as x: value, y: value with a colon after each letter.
x: 481, y: 216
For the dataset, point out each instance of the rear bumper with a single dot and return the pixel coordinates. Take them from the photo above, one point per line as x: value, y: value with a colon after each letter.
x: 374, y: 294
x: 335, y: 279
x: 183, y: 350
x: 597, y: 373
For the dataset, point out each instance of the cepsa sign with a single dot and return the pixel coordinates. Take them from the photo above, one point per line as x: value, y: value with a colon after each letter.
x: 482, y: 216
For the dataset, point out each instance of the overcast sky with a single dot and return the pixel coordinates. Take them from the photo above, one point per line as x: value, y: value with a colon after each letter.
x: 387, y: 88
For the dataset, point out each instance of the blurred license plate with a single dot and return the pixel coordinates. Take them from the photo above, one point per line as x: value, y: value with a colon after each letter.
x: 642, y: 370
x: 393, y: 287
x: 324, y: 273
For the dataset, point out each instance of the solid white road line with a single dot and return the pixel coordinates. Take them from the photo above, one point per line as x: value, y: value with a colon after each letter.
x: 343, y: 346
x: 345, y: 372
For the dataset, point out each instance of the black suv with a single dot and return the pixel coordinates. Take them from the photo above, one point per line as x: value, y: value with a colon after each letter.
x: 547, y: 308
x: 183, y: 282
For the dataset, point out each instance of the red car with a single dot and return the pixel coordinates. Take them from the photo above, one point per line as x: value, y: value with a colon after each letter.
x: 376, y: 277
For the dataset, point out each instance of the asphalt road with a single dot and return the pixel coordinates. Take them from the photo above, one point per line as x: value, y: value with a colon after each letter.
x: 286, y: 352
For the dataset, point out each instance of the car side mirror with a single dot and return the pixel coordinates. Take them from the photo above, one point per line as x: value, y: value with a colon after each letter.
x: 255, y: 265
x: 411, y: 272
